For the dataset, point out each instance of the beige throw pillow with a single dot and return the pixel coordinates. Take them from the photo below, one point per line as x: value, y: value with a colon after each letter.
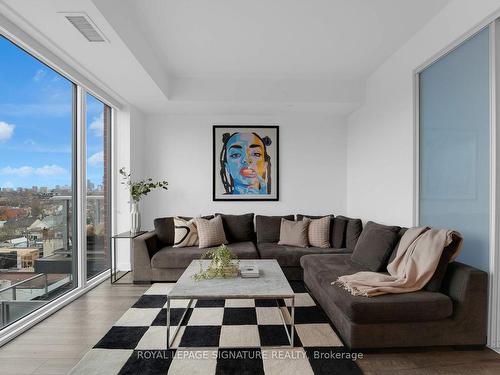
x: 319, y: 232
x: 186, y: 233
x: 294, y: 233
x: 210, y: 232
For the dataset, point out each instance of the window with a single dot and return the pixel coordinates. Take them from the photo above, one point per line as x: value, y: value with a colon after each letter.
x: 39, y: 249
x: 98, y: 118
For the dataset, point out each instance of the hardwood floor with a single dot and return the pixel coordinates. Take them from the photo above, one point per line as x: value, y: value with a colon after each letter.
x: 55, y: 345
x: 434, y: 361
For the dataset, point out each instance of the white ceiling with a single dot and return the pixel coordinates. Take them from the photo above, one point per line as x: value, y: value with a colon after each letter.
x: 184, y: 56
x: 279, y: 38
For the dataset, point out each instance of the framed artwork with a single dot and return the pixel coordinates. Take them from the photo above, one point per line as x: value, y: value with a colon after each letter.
x: 245, y: 163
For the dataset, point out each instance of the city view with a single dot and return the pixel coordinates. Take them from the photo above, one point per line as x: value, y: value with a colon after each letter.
x: 37, y: 248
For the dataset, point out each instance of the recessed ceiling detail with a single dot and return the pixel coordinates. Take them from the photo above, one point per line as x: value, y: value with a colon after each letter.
x: 227, y: 56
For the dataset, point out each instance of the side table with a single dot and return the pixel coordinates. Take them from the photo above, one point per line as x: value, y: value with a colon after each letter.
x: 125, y: 235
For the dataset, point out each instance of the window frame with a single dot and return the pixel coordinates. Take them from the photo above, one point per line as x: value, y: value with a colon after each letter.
x: 78, y: 179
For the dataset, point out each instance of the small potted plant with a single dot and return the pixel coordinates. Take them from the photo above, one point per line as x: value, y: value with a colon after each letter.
x: 138, y: 190
x: 223, y: 263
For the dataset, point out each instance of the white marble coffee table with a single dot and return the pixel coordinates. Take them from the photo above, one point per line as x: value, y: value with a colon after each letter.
x: 271, y: 284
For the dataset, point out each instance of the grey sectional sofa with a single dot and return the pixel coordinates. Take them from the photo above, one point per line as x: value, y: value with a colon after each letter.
x: 155, y: 258
x: 450, y: 310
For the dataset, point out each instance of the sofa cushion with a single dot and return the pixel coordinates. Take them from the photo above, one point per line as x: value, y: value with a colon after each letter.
x: 339, y: 232
x: 418, y: 306
x: 434, y: 284
x: 208, y: 217
x: 210, y: 232
x: 268, y: 227
x: 318, y: 232
x: 330, y: 266
x: 289, y: 256
x: 346, y: 231
x: 165, y: 230
x: 401, y: 232
x: 181, y: 257
x: 294, y: 233
x: 330, y: 240
x: 238, y: 228
x: 186, y: 233
x: 405, y: 307
x: 375, y: 245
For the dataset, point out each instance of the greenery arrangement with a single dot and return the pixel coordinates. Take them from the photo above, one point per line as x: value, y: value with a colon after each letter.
x: 141, y: 188
x: 223, y: 264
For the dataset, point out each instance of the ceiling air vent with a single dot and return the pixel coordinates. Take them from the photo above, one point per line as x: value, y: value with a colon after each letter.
x: 85, y: 26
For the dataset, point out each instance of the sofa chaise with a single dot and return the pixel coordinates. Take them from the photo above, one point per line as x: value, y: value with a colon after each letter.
x: 450, y: 310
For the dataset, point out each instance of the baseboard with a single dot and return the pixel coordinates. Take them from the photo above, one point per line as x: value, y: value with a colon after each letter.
x: 125, y: 266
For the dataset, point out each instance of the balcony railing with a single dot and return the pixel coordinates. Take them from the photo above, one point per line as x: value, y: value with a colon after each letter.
x: 53, y: 273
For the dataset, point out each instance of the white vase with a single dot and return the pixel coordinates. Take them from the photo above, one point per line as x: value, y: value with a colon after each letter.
x: 135, y: 218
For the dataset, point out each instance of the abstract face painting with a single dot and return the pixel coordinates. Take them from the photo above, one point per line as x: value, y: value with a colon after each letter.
x: 245, y: 163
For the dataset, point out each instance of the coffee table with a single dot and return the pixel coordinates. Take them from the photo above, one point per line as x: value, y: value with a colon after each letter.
x: 271, y: 284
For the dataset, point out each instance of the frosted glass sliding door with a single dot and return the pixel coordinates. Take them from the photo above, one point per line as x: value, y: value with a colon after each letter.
x: 454, y: 146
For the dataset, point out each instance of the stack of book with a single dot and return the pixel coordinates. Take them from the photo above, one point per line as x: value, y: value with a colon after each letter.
x: 249, y: 271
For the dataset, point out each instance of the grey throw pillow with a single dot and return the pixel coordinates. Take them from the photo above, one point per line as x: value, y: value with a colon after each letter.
x: 164, y: 229
x: 238, y: 228
x: 375, y: 245
x: 268, y: 228
x: 339, y: 232
x: 294, y: 233
x: 434, y: 284
x: 210, y: 232
x: 353, y: 229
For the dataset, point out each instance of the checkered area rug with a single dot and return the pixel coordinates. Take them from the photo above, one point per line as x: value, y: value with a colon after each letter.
x: 240, y: 336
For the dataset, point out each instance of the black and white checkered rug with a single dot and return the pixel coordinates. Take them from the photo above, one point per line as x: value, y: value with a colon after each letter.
x: 240, y: 336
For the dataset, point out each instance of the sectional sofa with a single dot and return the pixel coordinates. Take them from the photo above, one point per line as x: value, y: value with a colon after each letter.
x: 155, y: 259
x: 450, y: 310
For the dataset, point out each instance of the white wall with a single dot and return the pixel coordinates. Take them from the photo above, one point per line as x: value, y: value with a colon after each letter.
x: 127, y: 124
x: 179, y: 149
x: 380, y: 148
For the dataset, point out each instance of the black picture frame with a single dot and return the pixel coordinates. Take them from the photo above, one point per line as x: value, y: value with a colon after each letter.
x: 216, y: 167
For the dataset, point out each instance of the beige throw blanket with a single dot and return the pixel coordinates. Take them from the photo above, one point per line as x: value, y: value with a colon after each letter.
x: 416, y: 261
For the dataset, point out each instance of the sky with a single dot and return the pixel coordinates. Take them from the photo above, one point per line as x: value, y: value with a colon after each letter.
x: 36, y: 124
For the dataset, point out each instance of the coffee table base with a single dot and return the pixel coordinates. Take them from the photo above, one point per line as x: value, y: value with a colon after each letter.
x: 290, y: 334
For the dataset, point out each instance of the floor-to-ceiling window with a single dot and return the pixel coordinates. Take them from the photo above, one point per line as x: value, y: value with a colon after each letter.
x: 454, y: 140
x: 98, y: 120
x: 40, y: 253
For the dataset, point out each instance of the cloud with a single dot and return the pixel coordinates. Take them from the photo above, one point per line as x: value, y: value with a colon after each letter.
x: 6, y: 131
x: 25, y: 171
x: 50, y: 170
x: 97, y: 126
x: 96, y: 159
x: 39, y: 75
x: 21, y: 171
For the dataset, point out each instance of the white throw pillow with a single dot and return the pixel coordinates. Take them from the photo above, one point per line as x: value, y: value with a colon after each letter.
x: 186, y: 233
